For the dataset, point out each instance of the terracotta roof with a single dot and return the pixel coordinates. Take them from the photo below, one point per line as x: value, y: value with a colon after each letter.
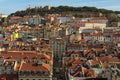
x: 94, y: 62
x: 99, y: 18
x: 8, y: 77
x: 105, y: 65
x: 97, y: 34
x: 99, y: 49
x: 11, y: 42
x: 78, y: 61
x: 1, y: 45
x: 108, y: 59
x: 85, y: 72
x: 76, y: 74
x: 47, y: 56
x: 71, y: 60
x: 73, y: 67
x: 19, y: 55
x: 86, y: 51
x: 15, y: 17
x: 30, y: 67
x: 2, y: 38
x: 88, y: 71
x: 69, y: 53
x: 27, y: 16
x: 116, y: 35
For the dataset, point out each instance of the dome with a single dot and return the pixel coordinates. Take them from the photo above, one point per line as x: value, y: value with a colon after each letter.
x: 75, y: 37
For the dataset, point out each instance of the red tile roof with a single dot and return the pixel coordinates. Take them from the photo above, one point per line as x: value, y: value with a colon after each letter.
x: 20, y: 55
x: 73, y: 67
x: 71, y: 60
x: 88, y: 71
x: 97, y: 34
x: 78, y: 61
x: 108, y: 59
x: 105, y: 65
x: 86, y: 51
x: 76, y: 74
x: 94, y: 62
x: 85, y: 72
x: 99, y: 18
x: 8, y: 77
x: 16, y: 17
x: 30, y: 67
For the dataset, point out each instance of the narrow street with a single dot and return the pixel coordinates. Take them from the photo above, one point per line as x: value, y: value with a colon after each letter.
x: 58, y: 71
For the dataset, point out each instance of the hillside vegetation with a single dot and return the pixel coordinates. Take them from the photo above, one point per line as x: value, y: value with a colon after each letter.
x: 74, y: 11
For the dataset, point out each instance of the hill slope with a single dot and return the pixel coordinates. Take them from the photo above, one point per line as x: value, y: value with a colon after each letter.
x: 68, y: 10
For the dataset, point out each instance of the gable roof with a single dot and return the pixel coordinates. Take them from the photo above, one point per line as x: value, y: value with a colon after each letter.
x: 34, y: 67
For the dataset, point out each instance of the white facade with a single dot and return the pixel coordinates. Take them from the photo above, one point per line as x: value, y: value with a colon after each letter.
x: 102, y: 21
x: 91, y: 37
x: 64, y: 19
x: 119, y: 24
x: 118, y: 44
x: 103, y: 38
x: 34, y: 21
x: 91, y: 25
x: 3, y: 16
x: 59, y: 47
x: 77, y: 78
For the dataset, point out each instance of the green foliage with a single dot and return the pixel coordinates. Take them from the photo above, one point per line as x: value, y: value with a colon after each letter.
x: 82, y: 12
x: 60, y: 9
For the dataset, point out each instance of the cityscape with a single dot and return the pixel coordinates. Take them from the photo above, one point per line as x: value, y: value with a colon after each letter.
x: 60, y: 43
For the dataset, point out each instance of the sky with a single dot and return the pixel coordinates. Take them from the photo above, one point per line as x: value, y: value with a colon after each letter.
x: 11, y: 6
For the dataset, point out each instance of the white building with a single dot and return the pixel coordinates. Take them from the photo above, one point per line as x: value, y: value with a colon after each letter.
x: 3, y: 16
x: 99, y: 19
x: 64, y: 19
x: 59, y: 46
